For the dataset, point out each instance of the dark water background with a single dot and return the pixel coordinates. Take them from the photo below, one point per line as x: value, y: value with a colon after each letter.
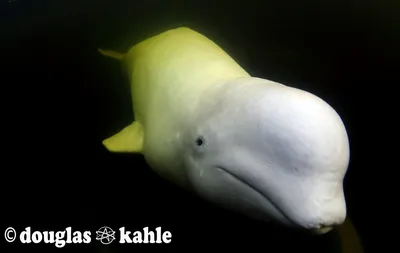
x: 60, y: 99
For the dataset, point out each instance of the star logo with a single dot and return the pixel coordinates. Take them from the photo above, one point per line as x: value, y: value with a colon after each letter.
x: 105, y: 235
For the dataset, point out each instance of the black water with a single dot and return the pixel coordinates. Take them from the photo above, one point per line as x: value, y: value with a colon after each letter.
x: 60, y: 98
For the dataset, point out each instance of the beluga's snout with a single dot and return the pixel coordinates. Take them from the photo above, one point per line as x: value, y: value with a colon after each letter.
x: 274, y: 153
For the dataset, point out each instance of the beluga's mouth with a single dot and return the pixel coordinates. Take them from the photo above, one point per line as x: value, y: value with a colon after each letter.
x: 264, y: 196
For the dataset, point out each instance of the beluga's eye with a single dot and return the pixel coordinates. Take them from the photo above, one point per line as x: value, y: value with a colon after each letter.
x: 199, y: 141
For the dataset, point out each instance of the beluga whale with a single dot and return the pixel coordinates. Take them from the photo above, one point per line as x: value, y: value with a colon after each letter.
x: 267, y: 150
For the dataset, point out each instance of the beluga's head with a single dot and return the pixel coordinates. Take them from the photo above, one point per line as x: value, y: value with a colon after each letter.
x: 269, y: 151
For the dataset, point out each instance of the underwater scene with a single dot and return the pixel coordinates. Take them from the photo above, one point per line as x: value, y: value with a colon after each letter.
x: 176, y: 126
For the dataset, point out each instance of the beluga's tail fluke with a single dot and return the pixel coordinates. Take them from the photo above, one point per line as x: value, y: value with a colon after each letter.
x: 112, y: 54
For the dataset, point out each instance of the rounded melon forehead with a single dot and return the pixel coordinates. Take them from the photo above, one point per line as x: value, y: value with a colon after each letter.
x: 306, y: 126
x: 291, y: 125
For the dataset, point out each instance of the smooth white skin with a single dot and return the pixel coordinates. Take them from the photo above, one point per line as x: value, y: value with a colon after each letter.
x: 270, y: 151
x: 282, y: 154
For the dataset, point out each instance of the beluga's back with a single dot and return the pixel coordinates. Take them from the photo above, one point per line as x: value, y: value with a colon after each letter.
x: 258, y: 147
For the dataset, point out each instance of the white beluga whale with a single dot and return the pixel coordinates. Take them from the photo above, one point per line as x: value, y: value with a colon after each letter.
x: 251, y: 145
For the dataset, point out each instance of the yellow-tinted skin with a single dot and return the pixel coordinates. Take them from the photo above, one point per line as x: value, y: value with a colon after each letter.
x: 168, y: 74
